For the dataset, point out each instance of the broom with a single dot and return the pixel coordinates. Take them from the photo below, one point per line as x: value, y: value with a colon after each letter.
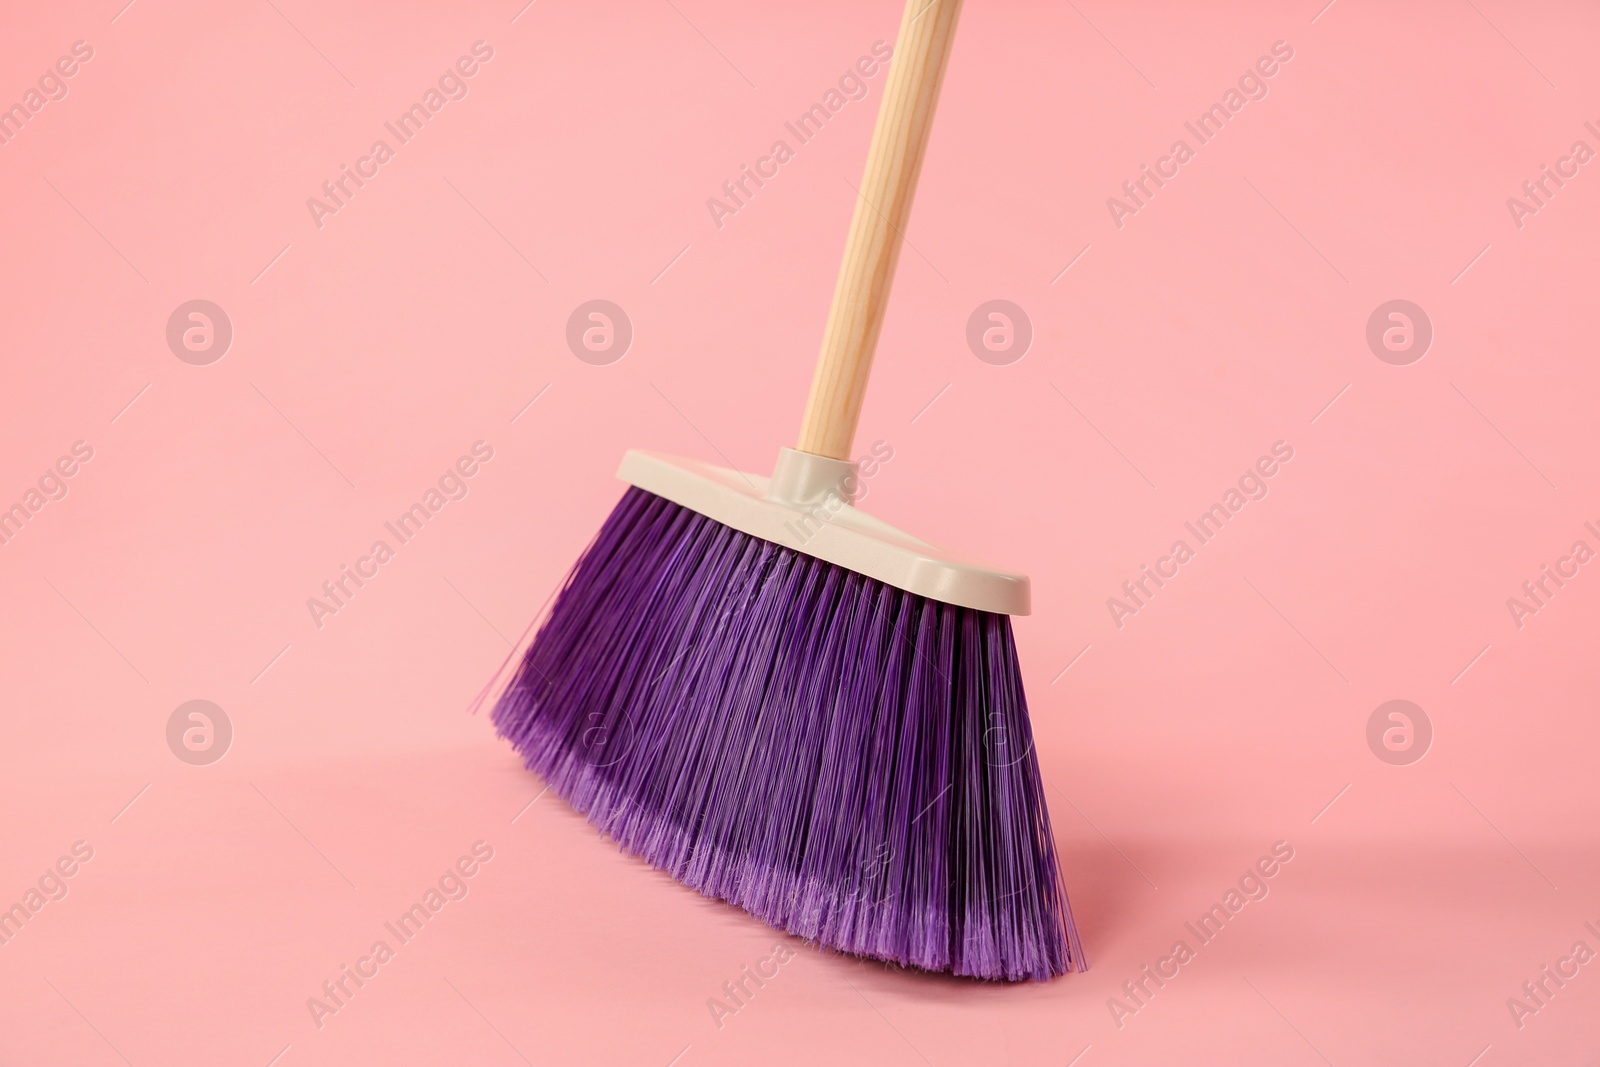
x: 789, y: 705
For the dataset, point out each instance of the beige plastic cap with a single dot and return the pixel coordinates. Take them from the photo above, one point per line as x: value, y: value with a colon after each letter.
x: 806, y: 506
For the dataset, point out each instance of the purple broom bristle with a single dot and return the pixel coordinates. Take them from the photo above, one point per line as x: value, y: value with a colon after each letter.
x: 849, y: 762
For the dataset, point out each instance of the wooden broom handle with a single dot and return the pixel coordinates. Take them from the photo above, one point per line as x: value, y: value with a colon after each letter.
x: 876, y: 231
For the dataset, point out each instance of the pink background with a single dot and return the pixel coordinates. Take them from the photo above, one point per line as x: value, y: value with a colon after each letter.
x: 424, y: 316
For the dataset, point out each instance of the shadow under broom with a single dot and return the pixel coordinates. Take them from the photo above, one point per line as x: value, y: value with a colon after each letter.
x: 794, y: 707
